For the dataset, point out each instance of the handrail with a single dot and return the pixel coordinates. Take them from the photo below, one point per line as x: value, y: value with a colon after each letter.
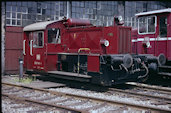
x: 24, y: 48
x: 83, y: 49
x: 31, y: 47
x: 78, y: 64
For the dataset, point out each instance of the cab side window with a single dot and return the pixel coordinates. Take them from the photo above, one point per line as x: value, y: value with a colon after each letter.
x: 163, y: 26
x: 38, y: 39
x: 54, y: 36
x: 30, y: 37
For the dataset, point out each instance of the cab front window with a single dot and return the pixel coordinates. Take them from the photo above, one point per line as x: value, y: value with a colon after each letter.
x: 146, y: 25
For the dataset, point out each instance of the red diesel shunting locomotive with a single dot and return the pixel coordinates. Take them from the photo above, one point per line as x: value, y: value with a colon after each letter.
x: 153, y: 36
x: 75, y: 49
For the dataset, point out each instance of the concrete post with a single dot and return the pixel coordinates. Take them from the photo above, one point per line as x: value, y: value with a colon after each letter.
x: 21, y: 68
x: 2, y: 37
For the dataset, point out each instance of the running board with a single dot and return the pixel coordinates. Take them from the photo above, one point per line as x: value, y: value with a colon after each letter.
x: 166, y: 69
x: 70, y: 76
x: 164, y: 74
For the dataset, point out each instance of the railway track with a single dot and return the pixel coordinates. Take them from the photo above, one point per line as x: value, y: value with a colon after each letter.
x: 13, y: 105
x: 72, y: 102
x: 33, y: 95
x: 143, y: 90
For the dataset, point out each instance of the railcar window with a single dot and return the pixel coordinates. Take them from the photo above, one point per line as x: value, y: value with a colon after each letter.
x: 38, y: 39
x: 146, y: 25
x: 142, y: 25
x: 54, y: 36
x: 163, y: 26
x: 151, y: 24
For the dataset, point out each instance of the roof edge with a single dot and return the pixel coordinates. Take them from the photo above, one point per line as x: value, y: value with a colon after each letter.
x: 168, y: 10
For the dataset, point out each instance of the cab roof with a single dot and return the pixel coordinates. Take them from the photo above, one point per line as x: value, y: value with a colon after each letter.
x: 38, y: 25
x: 168, y: 10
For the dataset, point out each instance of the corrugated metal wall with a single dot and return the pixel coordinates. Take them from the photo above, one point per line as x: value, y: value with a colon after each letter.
x: 13, y: 49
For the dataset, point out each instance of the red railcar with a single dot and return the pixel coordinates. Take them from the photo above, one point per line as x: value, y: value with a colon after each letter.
x: 75, y: 49
x: 153, y: 36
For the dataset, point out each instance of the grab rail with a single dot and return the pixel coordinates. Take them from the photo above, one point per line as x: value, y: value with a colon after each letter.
x: 24, y: 48
x: 31, y: 47
x: 78, y: 64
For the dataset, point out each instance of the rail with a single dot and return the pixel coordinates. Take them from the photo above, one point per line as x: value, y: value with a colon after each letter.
x: 157, y: 97
x: 149, y: 86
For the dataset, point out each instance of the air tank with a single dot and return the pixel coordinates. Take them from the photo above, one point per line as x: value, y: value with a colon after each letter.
x: 77, y: 22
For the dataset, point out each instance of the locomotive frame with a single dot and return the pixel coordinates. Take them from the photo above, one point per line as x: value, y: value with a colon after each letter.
x: 80, y: 51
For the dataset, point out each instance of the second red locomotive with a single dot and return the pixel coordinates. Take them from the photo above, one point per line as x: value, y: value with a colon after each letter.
x: 153, y: 36
x: 75, y: 49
